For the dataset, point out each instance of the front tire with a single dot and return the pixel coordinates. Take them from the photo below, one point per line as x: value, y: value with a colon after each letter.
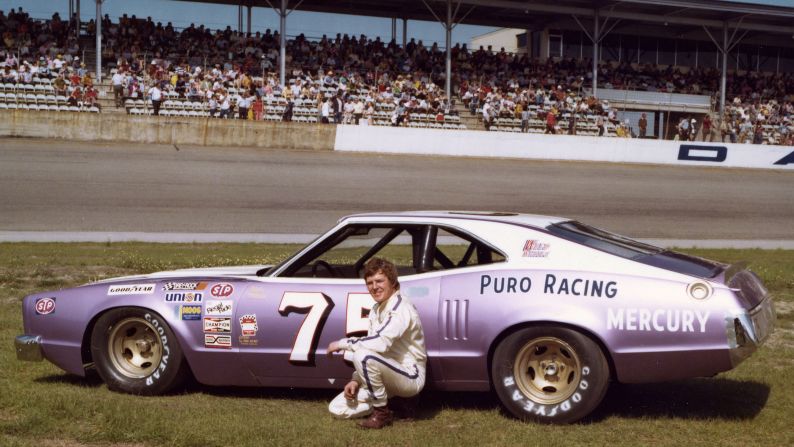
x: 549, y: 374
x: 136, y: 352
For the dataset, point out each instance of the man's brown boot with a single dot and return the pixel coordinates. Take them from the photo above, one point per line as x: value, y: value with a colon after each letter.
x: 380, y: 417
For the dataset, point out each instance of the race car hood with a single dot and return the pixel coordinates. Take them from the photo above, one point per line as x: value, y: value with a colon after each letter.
x: 243, y: 270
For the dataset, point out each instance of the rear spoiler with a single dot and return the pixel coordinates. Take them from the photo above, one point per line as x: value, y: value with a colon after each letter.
x: 734, y: 269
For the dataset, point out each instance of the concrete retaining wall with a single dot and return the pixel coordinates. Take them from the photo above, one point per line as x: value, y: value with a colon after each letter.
x: 166, y: 130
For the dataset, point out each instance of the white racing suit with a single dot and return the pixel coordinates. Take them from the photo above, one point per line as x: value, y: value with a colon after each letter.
x: 390, y: 361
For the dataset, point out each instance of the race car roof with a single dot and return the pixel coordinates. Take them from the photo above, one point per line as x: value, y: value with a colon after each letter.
x: 532, y: 220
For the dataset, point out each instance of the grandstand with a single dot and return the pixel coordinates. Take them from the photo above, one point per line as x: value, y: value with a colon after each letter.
x: 210, y: 73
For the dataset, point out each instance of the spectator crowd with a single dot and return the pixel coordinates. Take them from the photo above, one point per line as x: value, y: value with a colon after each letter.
x: 348, y: 79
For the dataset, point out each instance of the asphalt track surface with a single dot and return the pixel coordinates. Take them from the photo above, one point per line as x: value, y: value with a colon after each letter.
x: 64, y: 186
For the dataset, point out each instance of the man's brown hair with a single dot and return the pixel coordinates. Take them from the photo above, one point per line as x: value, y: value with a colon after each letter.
x: 375, y: 265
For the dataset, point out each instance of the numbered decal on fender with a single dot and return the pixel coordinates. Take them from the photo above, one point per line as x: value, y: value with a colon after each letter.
x: 358, y: 307
x: 317, y: 307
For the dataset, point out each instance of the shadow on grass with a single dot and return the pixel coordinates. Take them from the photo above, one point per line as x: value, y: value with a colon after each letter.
x: 302, y: 394
x: 430, y: 402
x: 716, y: 398
x: 91, y: 379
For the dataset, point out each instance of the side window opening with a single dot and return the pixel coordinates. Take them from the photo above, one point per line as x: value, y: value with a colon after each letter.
x: 455, y: 249
x: 344, y: 254
x: 414, y: 248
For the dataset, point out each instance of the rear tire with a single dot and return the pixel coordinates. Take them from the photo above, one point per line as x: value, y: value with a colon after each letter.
x: 549, y: 374
x: 136, y: 352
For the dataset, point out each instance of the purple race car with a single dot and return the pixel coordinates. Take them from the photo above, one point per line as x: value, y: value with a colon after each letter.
x: 544, y: 311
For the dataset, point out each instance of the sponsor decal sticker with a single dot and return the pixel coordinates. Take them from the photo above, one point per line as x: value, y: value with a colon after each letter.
x: 657, y: 320
x: 184, y: 286
x: 45, y: 306
x: 248, y: 341
x: 217, y: 341
x: 248, y: 325
x: 535, y: 249
x: 222, y: 290
x: 183, y: 297
x: 190, y: 312
x: 217, y: 325
x: 418, y: 292
x: 256, y: 291
x: 218, y: 307
x: 131, y: 289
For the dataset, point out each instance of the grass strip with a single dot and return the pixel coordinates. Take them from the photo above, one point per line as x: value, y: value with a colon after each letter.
x: 41, y: 405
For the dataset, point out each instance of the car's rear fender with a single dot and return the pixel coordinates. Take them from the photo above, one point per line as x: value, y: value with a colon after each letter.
x: 626, y: 322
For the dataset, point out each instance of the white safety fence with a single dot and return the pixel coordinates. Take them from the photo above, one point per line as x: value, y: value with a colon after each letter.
x: 401, y: 140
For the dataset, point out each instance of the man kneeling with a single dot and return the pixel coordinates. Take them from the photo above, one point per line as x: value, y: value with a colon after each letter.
x: 390, y: 360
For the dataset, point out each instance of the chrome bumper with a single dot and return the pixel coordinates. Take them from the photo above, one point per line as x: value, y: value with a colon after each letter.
x: 28, y: 348
x: 749, y: 330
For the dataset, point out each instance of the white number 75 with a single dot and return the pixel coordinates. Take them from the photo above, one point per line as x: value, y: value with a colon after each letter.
x: 317, y: 307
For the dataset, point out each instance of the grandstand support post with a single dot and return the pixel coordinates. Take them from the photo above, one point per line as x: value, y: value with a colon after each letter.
x: 724, y: 71
x: 448, y: 83
x: 282, y: 43
x: 405, y: 32
x: 394, y: 29
x: 77, y: 20
x: 240, y: 18
x: 598, y: 35
x: 725, y: 49
x: 248, y: 28
x: 449, y: 24
x: 596, y: 40
x: 98, y: 41
x: 71, y: 9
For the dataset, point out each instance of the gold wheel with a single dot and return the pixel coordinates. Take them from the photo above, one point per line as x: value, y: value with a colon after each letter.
x: 134, y: 347
x: 547, y: 370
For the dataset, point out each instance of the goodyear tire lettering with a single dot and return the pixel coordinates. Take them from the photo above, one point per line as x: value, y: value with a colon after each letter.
x: 583, y: 397
x: 171, y: 370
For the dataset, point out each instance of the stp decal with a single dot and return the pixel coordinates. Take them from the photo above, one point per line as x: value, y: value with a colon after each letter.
x: 222, y: 289
x: 45, y: 306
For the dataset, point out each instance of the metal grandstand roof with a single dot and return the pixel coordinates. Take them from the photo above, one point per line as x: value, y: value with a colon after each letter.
x: 535, y: 14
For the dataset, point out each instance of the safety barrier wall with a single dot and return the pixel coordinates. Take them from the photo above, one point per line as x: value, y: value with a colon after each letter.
x: 278, y: 135
x: 165, y: 130
x: 565, y: 147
